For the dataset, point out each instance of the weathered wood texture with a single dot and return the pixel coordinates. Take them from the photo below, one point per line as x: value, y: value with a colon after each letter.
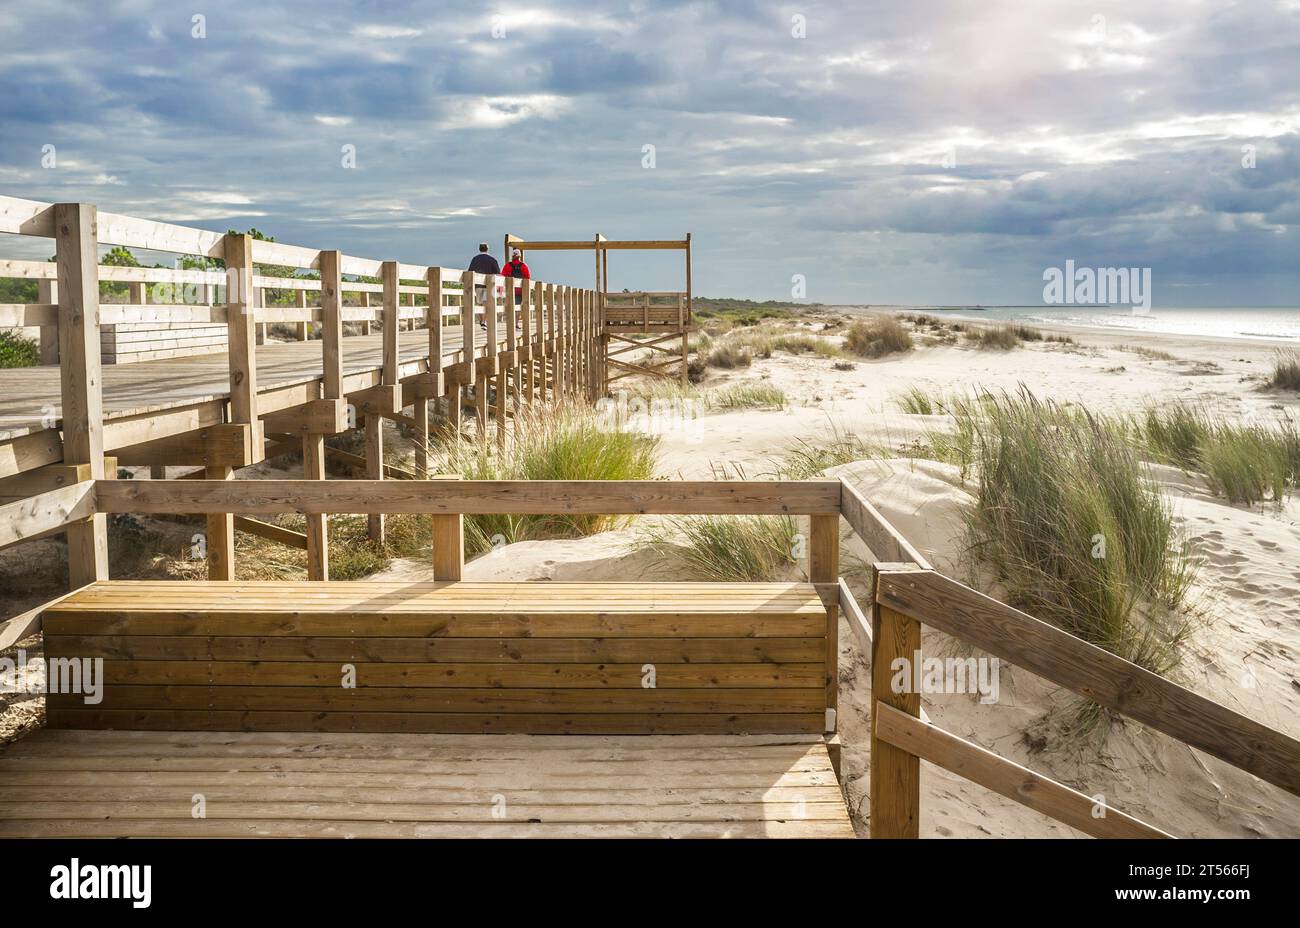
x: 143, y: 784
x: 455, y: 657
x: 1093, y: 672
x: 1005, y: 777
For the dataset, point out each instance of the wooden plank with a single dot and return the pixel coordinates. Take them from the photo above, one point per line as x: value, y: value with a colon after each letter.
x: 49, y: 511
x: 717, y: 700
x: 506, y: 675
x: 42, y: 480
x: 272, y: 532
x: 895, y: 799
x: 1093, y: 672
x: 613, y: 723
x: 80, y: 376
x: 227, y: 444
x: 699, y: 651
x: 476, y: 496
x: 1088, y: 814
x: 315, y: 417
x: 874, y: 529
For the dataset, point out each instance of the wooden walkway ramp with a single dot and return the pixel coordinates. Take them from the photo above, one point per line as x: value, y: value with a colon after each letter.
x: 244, y: 784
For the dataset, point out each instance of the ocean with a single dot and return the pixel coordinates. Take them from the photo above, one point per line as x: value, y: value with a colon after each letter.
x: 1261, y: 323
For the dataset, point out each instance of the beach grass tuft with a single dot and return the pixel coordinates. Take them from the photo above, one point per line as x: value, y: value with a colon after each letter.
x: 751, y: 395
x: 1073, y: 527
x: 727, y: 548
x: 1286, y: 371
x: 877, y: 337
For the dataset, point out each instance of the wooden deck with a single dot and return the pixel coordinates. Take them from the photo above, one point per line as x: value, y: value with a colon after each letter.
x: 153, y: 784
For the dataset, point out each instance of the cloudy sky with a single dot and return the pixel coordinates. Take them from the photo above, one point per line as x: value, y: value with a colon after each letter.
x: 912, y: 152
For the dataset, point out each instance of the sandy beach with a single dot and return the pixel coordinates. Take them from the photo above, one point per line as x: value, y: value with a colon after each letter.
x: 1245, y: 653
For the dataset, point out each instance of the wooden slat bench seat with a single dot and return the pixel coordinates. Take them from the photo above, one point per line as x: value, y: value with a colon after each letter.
x: 464, y: 657
x: 149, y: 784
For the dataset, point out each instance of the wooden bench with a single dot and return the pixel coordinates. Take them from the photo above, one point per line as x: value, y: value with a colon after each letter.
x: 450, y: 657
x: 522, y: 709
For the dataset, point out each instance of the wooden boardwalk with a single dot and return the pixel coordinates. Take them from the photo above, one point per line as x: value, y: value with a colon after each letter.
x: 221, y: 784
x: 30, y: 394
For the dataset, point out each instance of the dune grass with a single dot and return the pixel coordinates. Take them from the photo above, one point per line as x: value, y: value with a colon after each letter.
x: 565, y: 442
x: 810, y: 457
x: 1070, y: 524
x: 1286, y: 371
x: 750, y: 395
x: 729, y: 354
x: 996, y: 338
x: 917, y: 402
x: 728, y: 548
x: 877, y: 337
x: 1244, y: 463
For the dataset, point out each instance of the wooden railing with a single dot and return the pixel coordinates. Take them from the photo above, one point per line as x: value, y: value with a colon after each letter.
x: 547, y: 346
x: 906, y: 593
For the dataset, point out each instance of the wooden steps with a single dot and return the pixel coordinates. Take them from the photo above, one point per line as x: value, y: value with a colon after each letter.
x: 152, y: 784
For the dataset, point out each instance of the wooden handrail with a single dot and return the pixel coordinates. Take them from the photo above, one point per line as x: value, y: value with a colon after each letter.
x: 473, y: 497
x: 1093, y: 672
x: 1007, y: 778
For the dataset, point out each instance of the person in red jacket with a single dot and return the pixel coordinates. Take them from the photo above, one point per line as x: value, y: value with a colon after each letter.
x: 515, y: 267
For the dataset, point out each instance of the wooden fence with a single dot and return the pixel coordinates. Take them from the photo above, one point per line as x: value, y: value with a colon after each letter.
x: 907, y: 593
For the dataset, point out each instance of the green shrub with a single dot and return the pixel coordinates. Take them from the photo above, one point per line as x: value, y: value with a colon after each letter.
x: 17, y: 350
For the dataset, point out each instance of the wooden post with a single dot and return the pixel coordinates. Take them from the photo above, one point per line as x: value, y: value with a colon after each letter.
x: 374, y: 423
x: 47, y: 291
x: 524, y: 372
x: 240, y: 328
x: 81, y: 390
x: 823, y: 568
x: 221, y: 533
x: 313, y: 468
x: 895, y: 773
x: 365, y: 303
x: 304, y: 327
x: 313, y: 446
x: 448, y: 545
x: 331, y: 302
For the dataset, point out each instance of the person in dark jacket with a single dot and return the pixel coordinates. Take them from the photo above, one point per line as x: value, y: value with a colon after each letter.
x: 483, y: 263
x: 516, y: 268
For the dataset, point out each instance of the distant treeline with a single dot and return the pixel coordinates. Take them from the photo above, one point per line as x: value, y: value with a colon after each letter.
x: 746, y: 312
